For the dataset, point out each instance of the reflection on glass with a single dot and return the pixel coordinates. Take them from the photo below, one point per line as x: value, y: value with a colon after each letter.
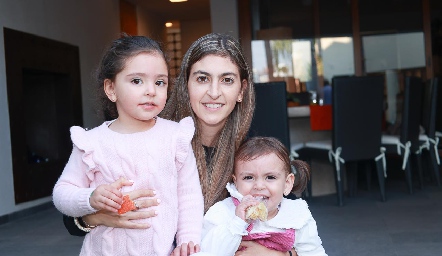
x: 259, y: 62
x: 393, y: 51
x: 302, y: 57
x: 281, y: 58
x: 302, y: 63
x: 337, y: 57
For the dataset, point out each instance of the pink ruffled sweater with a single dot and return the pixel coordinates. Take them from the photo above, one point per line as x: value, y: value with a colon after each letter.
x: 161, y: 159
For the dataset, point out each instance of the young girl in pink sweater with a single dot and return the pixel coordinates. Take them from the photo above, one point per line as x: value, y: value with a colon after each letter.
x: 151, y: 152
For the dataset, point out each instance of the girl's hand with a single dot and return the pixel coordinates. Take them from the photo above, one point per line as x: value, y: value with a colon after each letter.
x: 185, y: 249
x: 106, y: 197
x: 113, y: 219
x: 245, y: 203
x: 253, y: 248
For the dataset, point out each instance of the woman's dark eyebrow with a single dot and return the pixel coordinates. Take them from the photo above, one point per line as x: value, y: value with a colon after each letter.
x: 229, y: 74
x: 201, y: 72
x: 207, y: 74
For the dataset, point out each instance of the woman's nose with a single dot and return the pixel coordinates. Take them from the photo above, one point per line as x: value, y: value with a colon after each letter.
x: 214, y: 90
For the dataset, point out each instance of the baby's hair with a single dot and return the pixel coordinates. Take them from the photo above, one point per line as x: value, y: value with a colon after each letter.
x: 302, y: 175
x: 114, y: 60
x: 255, y: 147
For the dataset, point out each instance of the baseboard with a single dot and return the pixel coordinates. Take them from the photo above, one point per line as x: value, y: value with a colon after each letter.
x: 25, y: 212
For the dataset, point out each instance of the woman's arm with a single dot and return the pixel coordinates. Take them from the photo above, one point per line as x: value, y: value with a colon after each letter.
x: 252, y: 248
x: 109, y: 219
x: 69, y: 224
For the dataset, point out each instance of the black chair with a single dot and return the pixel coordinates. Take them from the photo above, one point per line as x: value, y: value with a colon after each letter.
x: 429, y: 142
x: 439, y: 114
x: 270, y: 117
x: 407, y: 143
x: 357, y: 105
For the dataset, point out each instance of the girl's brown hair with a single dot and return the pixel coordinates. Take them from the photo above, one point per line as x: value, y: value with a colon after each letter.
x: 114, y: 60
x: 261, y: 146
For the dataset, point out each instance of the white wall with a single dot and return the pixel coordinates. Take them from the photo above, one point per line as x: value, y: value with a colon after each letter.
x: 90, y: 25
x: 192, y: 30
x: 224, y: 16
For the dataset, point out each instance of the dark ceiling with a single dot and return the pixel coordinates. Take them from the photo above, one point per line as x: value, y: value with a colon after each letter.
x: 190, y: 10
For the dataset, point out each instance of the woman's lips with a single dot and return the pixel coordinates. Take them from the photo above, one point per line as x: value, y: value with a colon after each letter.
x: 213, y: 105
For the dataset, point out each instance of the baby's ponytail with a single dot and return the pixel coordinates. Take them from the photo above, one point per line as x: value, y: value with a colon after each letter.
x: 302, y: 175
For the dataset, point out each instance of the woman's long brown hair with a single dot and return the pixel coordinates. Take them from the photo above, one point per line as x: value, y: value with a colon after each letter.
x: 214, y: 176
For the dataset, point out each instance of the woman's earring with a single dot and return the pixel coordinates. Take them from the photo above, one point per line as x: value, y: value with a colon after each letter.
x: 239, y: 100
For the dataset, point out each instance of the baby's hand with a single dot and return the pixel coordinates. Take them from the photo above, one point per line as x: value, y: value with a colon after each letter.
x: 245, y: 203
x: 106, y: 197
x: 185, y: 249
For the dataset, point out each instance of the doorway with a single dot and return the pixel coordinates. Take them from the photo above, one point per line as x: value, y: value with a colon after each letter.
x: 44, y: 99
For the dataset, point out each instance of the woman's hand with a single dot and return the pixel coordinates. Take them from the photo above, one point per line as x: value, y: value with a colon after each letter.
x: 185, y: 249
x: 113, y: 219
x: 252, y: 248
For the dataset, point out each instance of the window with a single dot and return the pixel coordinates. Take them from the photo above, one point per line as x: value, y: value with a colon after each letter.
x: 302, y: 63
x: 393, y: 51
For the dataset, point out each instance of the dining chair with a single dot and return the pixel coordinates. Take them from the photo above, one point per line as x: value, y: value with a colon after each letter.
x: 428, y: 141
x: 270, y: 117
x: 438, y: 123
x: 357, y: 104
x: 406, y: 144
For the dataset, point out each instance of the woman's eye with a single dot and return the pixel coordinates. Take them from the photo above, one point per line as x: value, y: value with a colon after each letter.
x: 202, y: 79
x: 137, y: 81
x: 228, y: 80
x: 160, y: 83
x: 271, y: 177
x: 247, y: 178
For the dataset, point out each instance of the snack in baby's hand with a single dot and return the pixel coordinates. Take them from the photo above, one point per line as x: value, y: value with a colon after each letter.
x: 127, y: 205
x: 258, y: 211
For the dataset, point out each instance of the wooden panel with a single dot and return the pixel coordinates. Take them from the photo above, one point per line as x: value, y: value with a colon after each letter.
x: 357, y: 42
x: 426, y: 15
x: 245, y: 28
x: 128, y: 18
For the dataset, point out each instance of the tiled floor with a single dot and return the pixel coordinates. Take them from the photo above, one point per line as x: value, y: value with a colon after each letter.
x: 405, y: 225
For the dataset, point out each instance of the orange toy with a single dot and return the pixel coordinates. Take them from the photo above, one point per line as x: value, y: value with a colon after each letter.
x: 127, y: 205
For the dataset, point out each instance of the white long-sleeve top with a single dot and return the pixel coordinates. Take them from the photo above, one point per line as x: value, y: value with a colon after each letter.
x: 223, y: 230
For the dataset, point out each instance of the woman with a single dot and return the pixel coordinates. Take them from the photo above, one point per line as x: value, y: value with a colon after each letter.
x: 215, y: 88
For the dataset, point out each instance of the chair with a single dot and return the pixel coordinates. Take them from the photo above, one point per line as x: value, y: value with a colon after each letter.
x: 270, y: 117
x: 357, y: 126
x: 407, y: 143
x: 438, y: 124
x: 429, y: 141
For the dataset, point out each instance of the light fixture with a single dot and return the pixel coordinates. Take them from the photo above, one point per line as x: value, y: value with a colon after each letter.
x: 177, y: 1
x: 169, y: 24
